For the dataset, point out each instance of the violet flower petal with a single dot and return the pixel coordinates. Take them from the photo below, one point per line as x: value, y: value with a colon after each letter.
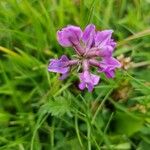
x: 69, y: 36
x: 103, y: 37
x: 88, y: 35
x: 95, y: 79
x: 90, y: 87
x: 64, y: 76
x: 59, y: 65
x: 82, y: 86
x: 104, y: 42
x: 110, y: 74
x: 88, y: 80
x: 106, y: 51
x: 108, y: 66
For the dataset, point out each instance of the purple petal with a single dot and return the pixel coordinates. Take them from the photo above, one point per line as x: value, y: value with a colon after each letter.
x: 106, y: 51
x: 82, y: 86
x: 108, y: 66
x: 82, y: 78
x: 110, y: 62
x: 110, y: 74
x: 104, y: 42
x: 88, y: 80
x: 63, y: 76
x: 64, y: 58
x: 88, y: 35
x: 103, y: 37
x: 69, y: 36
x: 90, y: 87
x: 112, y: 43
x: 59, y: 65
x: 58, y: 70
x: 95, y: 79
x: 85, y: 76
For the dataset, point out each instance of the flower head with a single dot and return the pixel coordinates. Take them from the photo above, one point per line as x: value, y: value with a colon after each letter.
x: 94, y: 48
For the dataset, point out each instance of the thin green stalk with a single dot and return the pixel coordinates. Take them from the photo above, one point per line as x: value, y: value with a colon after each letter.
x: 100, y: 106
x: 135, y: 36
x: 91, y: 11
x: 138, y: 81
x: 35, y: 131
x: 89, y: 134
x: 77, y: 130
x: 107, y: 125
x: 88, y: 123
x: 52, y: 137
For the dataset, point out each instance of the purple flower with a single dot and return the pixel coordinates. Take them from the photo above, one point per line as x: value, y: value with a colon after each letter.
x: 88, y: 80
x: 91, y: 46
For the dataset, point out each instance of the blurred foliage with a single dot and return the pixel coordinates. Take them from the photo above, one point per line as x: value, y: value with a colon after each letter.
x: 39, y: 112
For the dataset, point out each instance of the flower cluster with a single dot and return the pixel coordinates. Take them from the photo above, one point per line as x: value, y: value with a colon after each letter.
x: 93, y: 49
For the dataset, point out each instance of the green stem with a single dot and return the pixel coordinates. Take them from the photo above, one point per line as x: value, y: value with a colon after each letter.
x: 89, y: 135
x: 88, y: 125
x: 77, y: 131
x: 100, y: 106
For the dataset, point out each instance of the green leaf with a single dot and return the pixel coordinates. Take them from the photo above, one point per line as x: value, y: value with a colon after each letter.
x: 127, y: 124
x: 57, y: 107
x: 143, y: 146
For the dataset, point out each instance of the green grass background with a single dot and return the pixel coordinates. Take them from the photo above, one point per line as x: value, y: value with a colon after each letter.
x: 39, y: 112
